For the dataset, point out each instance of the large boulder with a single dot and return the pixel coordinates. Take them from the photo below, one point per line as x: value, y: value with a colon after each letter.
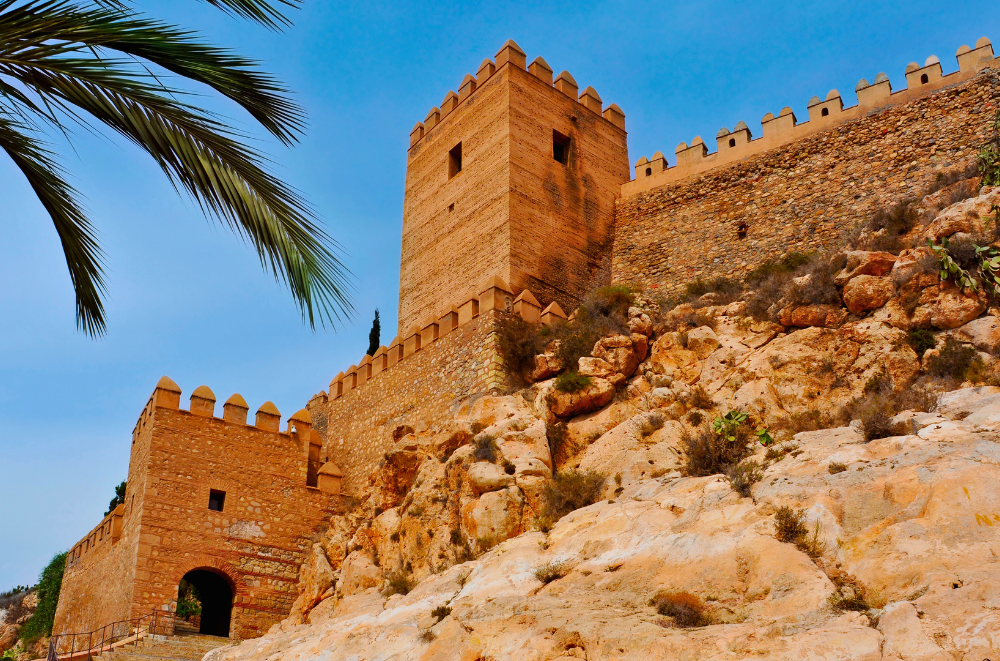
x: 493, y: 517
x: 863, y: 262
x: 484, y: 477
x: 816, y: 315
x: 617, y: 350
x: 359, y: 573
x: 954, y: 308
x: 702, y: 341
x: 594, y: 396
x: 867, y: 292
x: 966, y: 216
x: 983, y: 333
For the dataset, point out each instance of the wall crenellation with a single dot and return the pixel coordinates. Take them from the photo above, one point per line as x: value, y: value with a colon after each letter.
x: 511, y: 53
x: 784, y: 128
x: 494, y: 294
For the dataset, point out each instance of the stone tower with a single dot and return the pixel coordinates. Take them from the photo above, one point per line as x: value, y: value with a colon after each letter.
x: 514, y: 176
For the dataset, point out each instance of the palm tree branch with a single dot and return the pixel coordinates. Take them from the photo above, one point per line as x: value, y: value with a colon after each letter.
x: 200, y: 155
x: 259, y: 11
x: 83, y: 256
x: 40, y: 30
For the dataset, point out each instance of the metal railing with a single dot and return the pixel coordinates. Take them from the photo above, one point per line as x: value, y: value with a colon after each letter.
x: 110, y: 637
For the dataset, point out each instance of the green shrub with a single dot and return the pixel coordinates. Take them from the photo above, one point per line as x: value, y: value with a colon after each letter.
x: 518, y: 342
x: 885, y: 229
x: 551, y: 571
x: 744, y: 475
x: 441, y: 612
x: 710, y: 452
x: 572, y: 381
x: 398, y: 582
x: 955, y: 361
x: 485, y: 448
x: 686, y: 609
x: 188, y: 600
x: 920, y: 340
x: 603, y: 312
x: 790, y: 525
x: 569, y: 491
x: 49, y: 584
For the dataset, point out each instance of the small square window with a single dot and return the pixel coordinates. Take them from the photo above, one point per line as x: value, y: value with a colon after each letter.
x: 216, y: 500
x: 455, y: 160
x: 560, y: 147
x: 451, y: 207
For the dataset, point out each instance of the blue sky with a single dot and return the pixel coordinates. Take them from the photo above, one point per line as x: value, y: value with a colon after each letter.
x: 187, y: 299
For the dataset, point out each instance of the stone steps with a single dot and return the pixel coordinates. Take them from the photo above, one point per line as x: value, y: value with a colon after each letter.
x: 182, y: 647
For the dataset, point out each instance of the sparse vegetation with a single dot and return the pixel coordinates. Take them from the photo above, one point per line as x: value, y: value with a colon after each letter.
x: 398, y: 582
x: 988, y: 158
x: 485, y: 448
x: 441, y: 612
x: 695, y: 418
x: 569, y: 491
x: 427, y: 636
x: 789, y: 525
x: 651, y: 422
x: 572, y: 381
x: 551, y: 571
x: 920, y: 340
x: 836, y: 467
x: 713, y: 450
x: 49, y: 584
x: 686, y: 609
x: 700, y: 399
x: 557, y: 435
x: 744, y: 475
x: 956, y: 361
x: 518, y: 342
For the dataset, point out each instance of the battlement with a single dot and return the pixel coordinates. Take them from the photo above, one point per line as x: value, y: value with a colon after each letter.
x: 107, y: 532
x: 735, y: 145
x: 494, y: 294
x: 510, y: 54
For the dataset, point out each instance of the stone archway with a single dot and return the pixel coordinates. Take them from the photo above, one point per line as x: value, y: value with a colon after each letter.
x: 215, y: 593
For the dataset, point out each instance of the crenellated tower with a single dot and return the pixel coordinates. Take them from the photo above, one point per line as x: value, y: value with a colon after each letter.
x: 516, y: 176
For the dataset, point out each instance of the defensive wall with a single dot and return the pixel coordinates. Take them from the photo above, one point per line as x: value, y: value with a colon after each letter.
x: 515, y: 176
x: 241, y: 501
x: 425, y: 377
x: 801, y: 185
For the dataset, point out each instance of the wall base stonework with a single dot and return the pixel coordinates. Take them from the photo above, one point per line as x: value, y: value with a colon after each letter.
x: 800, y: 197
x: 428, y: 387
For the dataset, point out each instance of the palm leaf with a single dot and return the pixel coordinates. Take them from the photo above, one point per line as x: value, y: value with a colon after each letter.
x: 54, y: 52
x: 265, y: 13
x: 83, y: 257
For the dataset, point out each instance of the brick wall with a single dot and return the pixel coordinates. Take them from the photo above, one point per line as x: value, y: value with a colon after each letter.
x: 257, y: 542
x: 427, y: 387
x: 799, y: 197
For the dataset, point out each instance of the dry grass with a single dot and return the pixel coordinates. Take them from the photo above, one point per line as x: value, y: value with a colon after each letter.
x: 744, y: 475
x: 569, y: 491
x: 551, y: 571
x: 709, y: 453
x: 685, y: 609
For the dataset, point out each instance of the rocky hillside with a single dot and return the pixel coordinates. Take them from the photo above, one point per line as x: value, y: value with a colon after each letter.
x: 16, y: 608
x: 627, y: 509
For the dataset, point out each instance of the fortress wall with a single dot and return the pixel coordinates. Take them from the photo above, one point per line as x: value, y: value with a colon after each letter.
x: 801, y: 196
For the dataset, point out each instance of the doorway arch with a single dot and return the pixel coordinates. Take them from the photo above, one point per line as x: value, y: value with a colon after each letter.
x: 213, y: 593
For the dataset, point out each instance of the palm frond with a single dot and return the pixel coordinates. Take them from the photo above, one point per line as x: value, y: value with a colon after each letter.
x: 260, y: 11
x: 83, y: 256
x: 41, y: 30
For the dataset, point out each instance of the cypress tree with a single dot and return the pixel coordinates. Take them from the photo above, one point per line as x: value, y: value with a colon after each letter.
x: 374, y: 337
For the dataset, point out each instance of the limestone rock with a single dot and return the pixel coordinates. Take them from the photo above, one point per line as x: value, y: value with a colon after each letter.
x: 702, y: 341
x: 955, y: 308
x: 484, y: 477
x: 494, y: 516
x: 867, y: 292
x: 594, y: 396
x: 359, y: 573
x: 8, y: 636
x: 617, y: 350
x: 669, y: 357
x: 818, y: 314
x: 983, y: 333
x: 965, y: 216
x: 547, y: 365
x: 862, y: 262
x: 905, y: 637
x: 639, y: 322
x: 640, y: 344
x: 591, y: 366
x: 315, y: 578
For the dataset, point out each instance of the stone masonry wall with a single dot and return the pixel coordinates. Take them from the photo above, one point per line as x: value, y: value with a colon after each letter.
x: 428, y: 386
x: 800, y: 197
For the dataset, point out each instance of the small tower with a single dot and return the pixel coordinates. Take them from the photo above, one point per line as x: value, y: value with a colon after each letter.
x: 515, y: 176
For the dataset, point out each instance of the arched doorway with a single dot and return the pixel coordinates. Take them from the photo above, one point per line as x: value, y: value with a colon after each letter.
x: 205, y: 597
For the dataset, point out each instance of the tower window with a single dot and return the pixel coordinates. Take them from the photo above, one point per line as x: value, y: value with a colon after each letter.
x: 741, y: 230
x: 732, y: 142
x: 560, y: 147
x: 924, y: 79
x: 216, y: 500
x: 825, y: 112
x: 649, y: 171
x: 455, y: 160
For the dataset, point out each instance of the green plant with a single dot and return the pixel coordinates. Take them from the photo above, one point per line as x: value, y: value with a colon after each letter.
x: 989, y: 265
x: 568, y: 491
x: 518, y: 342
x: 744, y: 475
x: 949, y: 268
x: 709, y: 452
x: 95, y: 63
x: 686, y: 609
x: 989, y: 155
x: 49, y: 584
x: 955, y: 361
x: 551, y: 571
x: 572, y: 381
x: 836, y: 467
x: 789, y: 525
x: 441, y: 612
x: 119, y: 498
x: 188, y: 600
x: 374, y: 335
x: 485, y: 448
x: 920, y: 340
x: 398, y: 582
